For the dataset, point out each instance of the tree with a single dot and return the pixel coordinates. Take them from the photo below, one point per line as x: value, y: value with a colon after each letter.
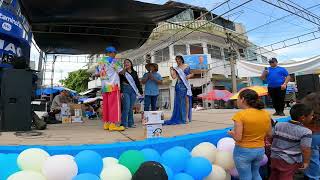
x: 77, y: 80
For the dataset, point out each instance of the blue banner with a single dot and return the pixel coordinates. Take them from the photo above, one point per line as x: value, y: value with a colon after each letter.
x: 15, y: 40
x: 11, y: 26
x: 196, y: 61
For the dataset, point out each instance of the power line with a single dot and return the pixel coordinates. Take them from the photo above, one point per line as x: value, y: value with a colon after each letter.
x: 295, y: 10
x: 201, y: 25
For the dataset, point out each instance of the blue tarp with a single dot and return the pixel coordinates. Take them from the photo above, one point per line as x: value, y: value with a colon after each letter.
x: 54, y: 90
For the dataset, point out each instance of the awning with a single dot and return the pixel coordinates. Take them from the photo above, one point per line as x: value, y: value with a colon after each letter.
x: 87, y: 27
x: 308, y: 66
x: 198, y: 82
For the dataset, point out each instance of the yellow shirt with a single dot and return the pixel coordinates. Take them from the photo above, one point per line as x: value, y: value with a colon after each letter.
x: 256, y: 124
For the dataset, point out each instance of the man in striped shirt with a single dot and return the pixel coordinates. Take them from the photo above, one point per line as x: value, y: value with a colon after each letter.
x: 291, y: 144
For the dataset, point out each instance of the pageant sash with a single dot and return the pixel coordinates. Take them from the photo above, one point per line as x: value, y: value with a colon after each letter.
x: 184, y: 80
x: 133, y: 84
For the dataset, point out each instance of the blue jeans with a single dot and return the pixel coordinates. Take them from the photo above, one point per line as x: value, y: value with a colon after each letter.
x: 247, y: 161
x: 150, y: 100
x: 313, y: 171
x: 128, y: 100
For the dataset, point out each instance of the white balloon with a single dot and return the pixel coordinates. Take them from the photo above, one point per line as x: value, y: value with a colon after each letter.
x: 109, y: 161
x: 32, y: 159
x: 65, y: 156
x: 226, y: 144
x: 26, y: 175
x: 116, y: 172
x: 206, y: 150
x: 217, y: 173
x: 224, y: 160
x: 60, y: 168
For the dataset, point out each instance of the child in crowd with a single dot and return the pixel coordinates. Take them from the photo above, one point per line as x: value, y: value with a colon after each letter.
x: 313, y: 171
x: 251, y: 125
x: 291, y: 144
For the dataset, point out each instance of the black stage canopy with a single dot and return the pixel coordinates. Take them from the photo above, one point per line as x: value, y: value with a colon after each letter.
x: 87, y: 27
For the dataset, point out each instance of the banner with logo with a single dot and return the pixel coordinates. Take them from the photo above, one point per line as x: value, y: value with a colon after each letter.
x: 196, y: 61
x: 14, y: 39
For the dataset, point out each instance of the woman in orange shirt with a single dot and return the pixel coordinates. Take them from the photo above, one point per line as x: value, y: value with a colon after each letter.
x: 251, y: 125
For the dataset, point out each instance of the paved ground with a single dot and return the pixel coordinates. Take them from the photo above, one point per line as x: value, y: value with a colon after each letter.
x: 90, y: 132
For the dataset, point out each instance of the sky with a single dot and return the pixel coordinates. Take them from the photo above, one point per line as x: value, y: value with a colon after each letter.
x: 251, y: 15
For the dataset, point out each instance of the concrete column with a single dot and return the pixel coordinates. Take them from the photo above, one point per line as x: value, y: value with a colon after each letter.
x: 205, y: 48
x: 152, y: 57
x: 188, y: 49
x: 171, y: 53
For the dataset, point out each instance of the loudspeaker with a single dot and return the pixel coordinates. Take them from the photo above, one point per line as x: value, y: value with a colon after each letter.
x: 307, y: 84
x: 16, y: 89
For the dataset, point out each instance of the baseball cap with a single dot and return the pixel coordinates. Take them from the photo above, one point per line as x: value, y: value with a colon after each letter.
x: 111, y: 49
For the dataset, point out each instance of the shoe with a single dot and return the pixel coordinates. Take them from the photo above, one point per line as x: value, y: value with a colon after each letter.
x: 106, y: 126
x: 281, y: 114
x: 275, y: 114
x: 133, y: 126
x: 113, y: 127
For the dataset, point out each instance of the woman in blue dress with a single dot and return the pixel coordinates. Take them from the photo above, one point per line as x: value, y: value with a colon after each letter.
x: 182, y: 112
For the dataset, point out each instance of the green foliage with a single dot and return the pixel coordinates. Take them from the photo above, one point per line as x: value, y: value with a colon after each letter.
x: 77, y: 80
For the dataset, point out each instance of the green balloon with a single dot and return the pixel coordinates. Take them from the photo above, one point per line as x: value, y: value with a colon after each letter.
x: 132, y: 159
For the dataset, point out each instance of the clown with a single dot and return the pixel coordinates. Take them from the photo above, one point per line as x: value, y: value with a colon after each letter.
x: 107, y: 69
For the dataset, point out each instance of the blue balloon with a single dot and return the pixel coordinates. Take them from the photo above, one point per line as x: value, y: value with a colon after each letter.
x: 198, y: 167
x: 8, y: 165
x: 169, y: 172
x: 176, y: 158
x: 183, y: 176
x: 89, y: 162
x: 151, y: 155
x: 86, y: 176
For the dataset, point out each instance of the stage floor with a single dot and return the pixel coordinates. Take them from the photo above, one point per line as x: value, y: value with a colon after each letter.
x: 91, y: 132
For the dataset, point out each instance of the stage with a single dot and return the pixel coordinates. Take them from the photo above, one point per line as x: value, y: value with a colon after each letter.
x: 91, y: 132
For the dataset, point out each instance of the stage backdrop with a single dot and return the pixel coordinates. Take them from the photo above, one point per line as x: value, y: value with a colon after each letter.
x: 196, y: 61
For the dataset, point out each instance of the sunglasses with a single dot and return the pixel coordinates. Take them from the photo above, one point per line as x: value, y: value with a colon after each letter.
x: 271, y: 62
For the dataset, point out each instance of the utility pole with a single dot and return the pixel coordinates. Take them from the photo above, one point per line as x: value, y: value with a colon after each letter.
x: 232, y: 59
x: 233, y: 73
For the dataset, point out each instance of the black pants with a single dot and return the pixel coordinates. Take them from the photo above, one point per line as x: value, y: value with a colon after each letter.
x: 277, y: 95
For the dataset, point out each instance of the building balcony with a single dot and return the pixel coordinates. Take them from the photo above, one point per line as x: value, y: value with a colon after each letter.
x: 200, y: 25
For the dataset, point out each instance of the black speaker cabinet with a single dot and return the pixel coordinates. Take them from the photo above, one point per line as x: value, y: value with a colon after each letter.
x: 16, y: 89
x: 307, y: 84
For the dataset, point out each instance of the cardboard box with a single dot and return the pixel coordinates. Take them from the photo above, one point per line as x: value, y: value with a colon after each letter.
x: 152, y: 121
x: 76, y: 119
x: 152, y: 117
x: 65, y: 110
x: 77, y: 109
x: 66, y: 119
x: 153, y: 130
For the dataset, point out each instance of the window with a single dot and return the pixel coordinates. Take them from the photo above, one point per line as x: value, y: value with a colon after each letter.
x: 162, y: 55
x: 214, y: 51
x: 186, y: 15
x: 179, y: 50
x: 196, y: 49
x: 242, y: 53
x: 229, y: 53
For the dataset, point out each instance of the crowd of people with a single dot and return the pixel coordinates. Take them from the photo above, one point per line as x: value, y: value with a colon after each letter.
x: 294, y: 144
x: 121, y: 87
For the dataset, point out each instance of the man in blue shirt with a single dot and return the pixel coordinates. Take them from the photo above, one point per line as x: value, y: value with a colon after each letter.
x: 151, y: 79
x: 277, y: 78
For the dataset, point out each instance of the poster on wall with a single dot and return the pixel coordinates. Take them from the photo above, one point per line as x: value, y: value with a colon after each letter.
x: 196, y: 61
